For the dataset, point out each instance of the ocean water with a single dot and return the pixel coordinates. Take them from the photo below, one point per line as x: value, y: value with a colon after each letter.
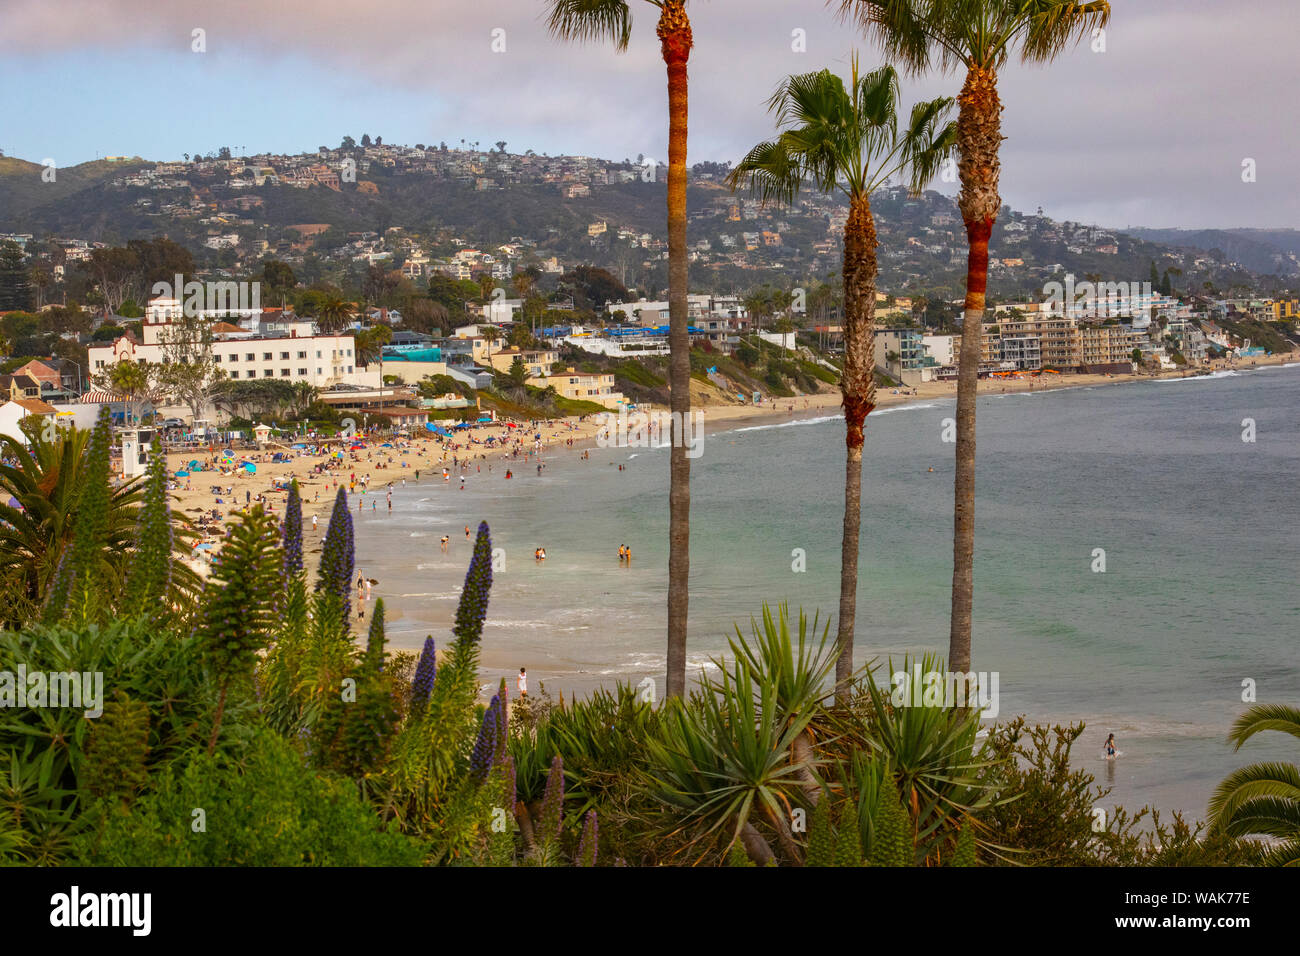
x: 1200, y: 532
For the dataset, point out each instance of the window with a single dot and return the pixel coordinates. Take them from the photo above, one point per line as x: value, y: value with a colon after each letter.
x: 349, y: 369
x: 284, y: 373
x: 318, y: 371
x: 234, y: 373
x: 266, y: 356
x: 318, y: 353
x: 284, y: 356
x: 267, y: 373
x: 251, y: 357
x: 233, y: 357
x: 216, y: 357
x: 302, y: 355
x: 302, y: 372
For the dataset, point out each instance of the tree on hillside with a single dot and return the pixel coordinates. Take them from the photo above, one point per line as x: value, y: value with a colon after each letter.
x: 278, y: 278
x: 15, y: 279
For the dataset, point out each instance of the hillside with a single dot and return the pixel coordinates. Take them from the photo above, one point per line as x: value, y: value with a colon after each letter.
x: 581, y: 210
x: 1260, y: 250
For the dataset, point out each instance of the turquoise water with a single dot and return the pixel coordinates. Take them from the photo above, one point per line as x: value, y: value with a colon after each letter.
x: 1201, y: 534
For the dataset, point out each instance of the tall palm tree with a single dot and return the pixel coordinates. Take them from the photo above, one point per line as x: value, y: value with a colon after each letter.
x: 612, y: 20
x: 848, y: 140
x: 978, y: 36
x: 1264, y: 797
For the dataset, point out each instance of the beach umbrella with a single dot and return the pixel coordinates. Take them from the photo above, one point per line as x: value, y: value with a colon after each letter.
x: 386, y: 444
x: 182, y: 474
x: 250, y: 467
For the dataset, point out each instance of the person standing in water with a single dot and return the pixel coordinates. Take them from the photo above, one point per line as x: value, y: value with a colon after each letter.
x: 523, y: 682
x: 1110, y: 746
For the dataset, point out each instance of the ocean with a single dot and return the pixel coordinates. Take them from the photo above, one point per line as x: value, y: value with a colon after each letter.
x: 1198, y: 532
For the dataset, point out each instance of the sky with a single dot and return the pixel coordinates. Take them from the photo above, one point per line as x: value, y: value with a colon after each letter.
x: 1152, y: 130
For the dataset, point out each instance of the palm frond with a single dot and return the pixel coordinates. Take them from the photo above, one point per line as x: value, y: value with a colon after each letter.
x: 585, y: 20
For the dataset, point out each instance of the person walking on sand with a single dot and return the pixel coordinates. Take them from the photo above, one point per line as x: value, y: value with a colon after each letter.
x: 313, y: 522
x: 523, y: 682
x: 466, y: 532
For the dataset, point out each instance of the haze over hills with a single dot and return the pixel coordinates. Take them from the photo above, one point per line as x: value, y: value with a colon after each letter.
x: 234, y: 211
x: 1260, y: 250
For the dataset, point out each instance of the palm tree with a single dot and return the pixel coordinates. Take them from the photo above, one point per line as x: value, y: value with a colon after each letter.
x: 1264, y: 797
x: 848, y: 140
x: 334, y: 315
x: 978, y: 36
x: 612, y: 20
x: 47, y: 479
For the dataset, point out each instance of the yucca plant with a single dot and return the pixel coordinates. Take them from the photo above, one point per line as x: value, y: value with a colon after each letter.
x: 933, y: 755
x: 722, y: 764
x: 1263, y: 798
x: 798, y: 670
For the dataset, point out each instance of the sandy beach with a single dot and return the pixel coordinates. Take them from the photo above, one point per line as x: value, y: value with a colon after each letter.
x: 375, y: 467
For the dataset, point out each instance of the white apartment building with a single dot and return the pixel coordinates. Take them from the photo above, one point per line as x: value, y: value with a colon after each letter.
x: 289, y: 350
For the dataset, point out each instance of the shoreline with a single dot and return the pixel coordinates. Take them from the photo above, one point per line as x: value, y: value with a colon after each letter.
x: 397, y: 465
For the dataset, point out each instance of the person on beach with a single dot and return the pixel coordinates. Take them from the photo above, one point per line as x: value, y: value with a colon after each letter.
x: 1110, y: 746
x: 523, y: 683
x: 445, y: 539
x: 466, y: 532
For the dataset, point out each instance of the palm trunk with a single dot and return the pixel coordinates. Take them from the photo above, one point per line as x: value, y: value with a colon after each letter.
x: 979, y: 136
x: 674, y: 31
x: 858, y: 385
x: 755, y: 846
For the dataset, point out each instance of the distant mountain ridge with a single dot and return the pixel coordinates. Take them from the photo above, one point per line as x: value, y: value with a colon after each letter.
x: 1260, y: 250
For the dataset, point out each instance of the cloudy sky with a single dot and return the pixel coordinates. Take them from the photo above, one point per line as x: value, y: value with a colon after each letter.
x: 1153, y: 131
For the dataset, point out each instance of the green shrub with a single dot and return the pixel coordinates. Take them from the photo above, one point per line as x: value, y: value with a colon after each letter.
x: 264, y: 808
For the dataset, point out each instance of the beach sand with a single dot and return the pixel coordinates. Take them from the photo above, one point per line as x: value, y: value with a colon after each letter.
x: 383, y: 465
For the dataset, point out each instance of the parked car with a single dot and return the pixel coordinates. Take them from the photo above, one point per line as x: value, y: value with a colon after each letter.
x: 171, y: 423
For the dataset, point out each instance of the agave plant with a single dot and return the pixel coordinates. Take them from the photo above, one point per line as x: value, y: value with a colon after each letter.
x: 1263, y: 798
x: 930, y: 753
x: 722, y: 763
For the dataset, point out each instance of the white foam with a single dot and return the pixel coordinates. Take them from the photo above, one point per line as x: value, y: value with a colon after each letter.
x: 1200, y: 378
x: 803, y: 421
x: 905, y: 408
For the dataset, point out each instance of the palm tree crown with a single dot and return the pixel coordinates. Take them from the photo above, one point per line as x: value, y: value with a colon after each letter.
x: 845, y: 139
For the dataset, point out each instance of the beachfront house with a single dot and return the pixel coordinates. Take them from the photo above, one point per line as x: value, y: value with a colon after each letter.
x: 15, y: 410
x: 583, y: 386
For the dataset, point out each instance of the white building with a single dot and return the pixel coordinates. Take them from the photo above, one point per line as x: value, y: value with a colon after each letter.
x: 287, y: 349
